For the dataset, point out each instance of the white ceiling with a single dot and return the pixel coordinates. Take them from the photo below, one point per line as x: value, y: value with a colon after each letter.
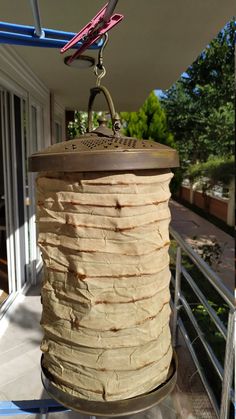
x: 149, y: 49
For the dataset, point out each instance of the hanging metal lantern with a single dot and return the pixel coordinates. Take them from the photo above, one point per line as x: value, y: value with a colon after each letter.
x: 103, y: 218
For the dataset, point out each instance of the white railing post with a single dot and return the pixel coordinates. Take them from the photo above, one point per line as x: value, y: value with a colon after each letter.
x: 191, y: 193
x: 43, y: 413
x: 228, y: 368
x: 231, y: 204
x: 177, y: 297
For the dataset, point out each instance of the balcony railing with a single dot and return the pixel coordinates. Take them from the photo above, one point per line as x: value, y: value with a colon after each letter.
x: 224, y: 372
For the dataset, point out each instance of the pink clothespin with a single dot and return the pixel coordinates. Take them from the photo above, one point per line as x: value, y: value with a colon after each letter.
x: 99, y: 25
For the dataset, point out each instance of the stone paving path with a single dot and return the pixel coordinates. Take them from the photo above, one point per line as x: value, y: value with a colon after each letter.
x: 189, y: 225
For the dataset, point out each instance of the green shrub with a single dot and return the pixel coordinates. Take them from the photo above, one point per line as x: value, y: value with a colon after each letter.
x: 214, y: 171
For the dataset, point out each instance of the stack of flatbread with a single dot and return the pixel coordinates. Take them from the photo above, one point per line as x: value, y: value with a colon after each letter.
x: 104, y: 240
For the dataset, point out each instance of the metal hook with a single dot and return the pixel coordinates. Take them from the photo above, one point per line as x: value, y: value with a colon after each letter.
x: 100, y: 54
x: 99, y: 65
x: 99, y: 76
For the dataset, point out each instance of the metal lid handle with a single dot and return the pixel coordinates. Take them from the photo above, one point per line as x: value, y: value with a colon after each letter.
x: 114, y: 116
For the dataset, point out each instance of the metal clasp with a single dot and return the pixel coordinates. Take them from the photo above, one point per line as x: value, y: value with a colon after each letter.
x: 97, y: 27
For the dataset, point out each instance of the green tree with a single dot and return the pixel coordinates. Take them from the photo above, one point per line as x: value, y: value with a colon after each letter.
x: 80, y: 123
x: 148, y: 123
x: 200, y: 106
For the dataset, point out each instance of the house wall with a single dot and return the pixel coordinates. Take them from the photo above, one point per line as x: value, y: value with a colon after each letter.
x: 215, y: 206
x: 185, y: 194
x: 59, y: 120
x: 198, y: 199
x: 34, y: 99
x: 218, y: 208
x: 16, y: 75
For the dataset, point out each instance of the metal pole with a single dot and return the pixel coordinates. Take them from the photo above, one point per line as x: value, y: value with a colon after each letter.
x: 228, y: 368
x: 109, y: 10
x: 199, y: 368
x: 35, y: 9
x: 44, y: 413
x: 177, y: 295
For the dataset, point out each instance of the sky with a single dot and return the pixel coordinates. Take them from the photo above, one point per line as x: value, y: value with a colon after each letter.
x: 161, y: 93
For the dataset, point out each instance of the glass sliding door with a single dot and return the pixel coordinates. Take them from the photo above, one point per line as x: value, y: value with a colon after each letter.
x: 4, y: 285
x: 18, y: 170
x: 21, y: 131
x: 8, y: 279
x: 14, y: 226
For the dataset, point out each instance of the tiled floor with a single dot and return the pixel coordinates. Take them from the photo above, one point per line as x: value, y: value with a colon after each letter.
x: 20, y: 369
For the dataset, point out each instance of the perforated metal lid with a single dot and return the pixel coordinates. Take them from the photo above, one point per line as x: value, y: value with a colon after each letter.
x: 98, y: 151
x: 104, y: 149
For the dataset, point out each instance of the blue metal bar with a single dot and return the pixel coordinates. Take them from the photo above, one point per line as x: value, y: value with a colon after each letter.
x: 24, y: 35
x: 29, y: 407
x: 29, y: 30
x: 16, y: 39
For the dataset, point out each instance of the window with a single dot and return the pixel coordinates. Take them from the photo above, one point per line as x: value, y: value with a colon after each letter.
x: 58, y: 132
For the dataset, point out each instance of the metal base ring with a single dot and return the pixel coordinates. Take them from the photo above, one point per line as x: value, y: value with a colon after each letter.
x: 114, y: 408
